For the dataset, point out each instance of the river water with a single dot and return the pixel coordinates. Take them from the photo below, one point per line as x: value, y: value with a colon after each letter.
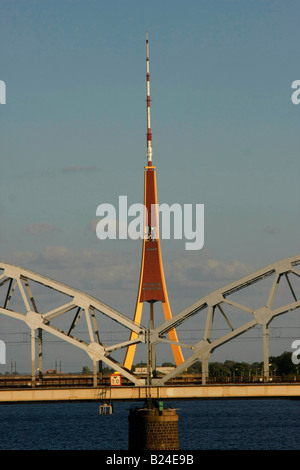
x: 271, y: 424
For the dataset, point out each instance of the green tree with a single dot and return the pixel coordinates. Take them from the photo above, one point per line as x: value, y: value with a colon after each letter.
x: 195, y: 368
x: 283, y: 364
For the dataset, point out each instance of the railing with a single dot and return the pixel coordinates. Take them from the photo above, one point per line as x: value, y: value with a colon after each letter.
x: 87, y: 381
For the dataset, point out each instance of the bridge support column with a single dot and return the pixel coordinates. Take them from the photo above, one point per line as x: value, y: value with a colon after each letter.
x: 40, y: 338
x: 94, y: 373
x: 153, y: 428
x: 266, y: 352
x: 204, y: 366
x: 33, y: 358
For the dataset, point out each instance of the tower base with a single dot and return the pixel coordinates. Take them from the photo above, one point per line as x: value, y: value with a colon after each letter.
x: 151, y: 428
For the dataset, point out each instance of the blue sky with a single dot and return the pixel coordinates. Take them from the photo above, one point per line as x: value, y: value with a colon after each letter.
x: 73, y: 136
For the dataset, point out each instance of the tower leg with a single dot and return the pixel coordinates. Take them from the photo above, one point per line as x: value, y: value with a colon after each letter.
x: 177, y: 353
x: 131, y: 349
x: 152, y: 347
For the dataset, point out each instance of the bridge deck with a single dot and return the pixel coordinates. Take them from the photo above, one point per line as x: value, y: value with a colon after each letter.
x: 158, y: 393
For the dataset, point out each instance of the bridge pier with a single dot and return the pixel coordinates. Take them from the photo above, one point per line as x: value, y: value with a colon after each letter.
x: 153, y: 428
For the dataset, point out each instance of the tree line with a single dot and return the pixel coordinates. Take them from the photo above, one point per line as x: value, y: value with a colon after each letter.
x: 278, y: 366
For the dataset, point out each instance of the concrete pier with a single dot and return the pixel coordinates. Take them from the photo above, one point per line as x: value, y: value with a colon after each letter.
x: 153, y: 428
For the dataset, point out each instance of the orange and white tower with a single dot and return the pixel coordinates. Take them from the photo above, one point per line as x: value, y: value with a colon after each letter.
x: 152, y: 285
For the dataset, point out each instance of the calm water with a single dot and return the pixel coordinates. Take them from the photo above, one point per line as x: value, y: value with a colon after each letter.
x: 203, y: 425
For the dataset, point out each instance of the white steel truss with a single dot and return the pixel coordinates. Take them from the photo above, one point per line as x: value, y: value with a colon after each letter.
x: 202, y: 349
x: 19, y: 282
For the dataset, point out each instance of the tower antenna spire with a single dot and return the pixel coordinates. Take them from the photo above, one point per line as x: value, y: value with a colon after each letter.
x: 152, y: 285
x: 149, y: 133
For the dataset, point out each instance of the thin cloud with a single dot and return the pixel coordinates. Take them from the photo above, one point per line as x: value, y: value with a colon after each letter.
x: 89, y: 270
x: 270, y: 230
x: 113, y: 276
x: 40, y: 229
x: 190, y: 270
x: 79, y: 169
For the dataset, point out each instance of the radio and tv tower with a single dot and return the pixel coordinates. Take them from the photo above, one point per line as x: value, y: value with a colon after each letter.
x: 152, y: 285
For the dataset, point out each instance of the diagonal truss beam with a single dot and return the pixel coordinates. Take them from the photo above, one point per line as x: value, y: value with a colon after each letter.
x: 262, y: 316
x: 16, y: 277
x: 82, y: 305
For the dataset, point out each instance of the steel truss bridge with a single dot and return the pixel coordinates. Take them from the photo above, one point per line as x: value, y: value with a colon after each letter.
x: 48, y: 306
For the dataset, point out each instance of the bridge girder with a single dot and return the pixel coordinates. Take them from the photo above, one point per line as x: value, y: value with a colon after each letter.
x: 203, y: 348
x: 15, y: 279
